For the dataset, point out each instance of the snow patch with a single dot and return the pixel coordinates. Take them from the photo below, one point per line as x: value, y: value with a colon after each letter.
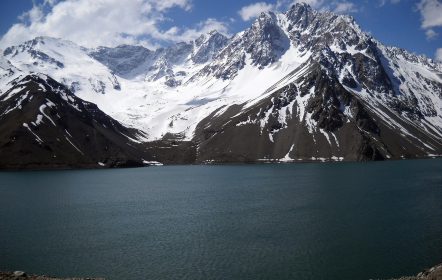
x: 74, y: 145
x: 152, y: 163
x: 287, y: 157
x: 33, y: 133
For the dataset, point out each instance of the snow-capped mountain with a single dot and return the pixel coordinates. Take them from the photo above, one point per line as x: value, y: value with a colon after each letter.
x: 300, y: 85
x: 168, y: 63
x: 43, y: 124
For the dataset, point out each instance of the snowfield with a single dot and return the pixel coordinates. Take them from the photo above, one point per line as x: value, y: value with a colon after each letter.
x: 175, y: 88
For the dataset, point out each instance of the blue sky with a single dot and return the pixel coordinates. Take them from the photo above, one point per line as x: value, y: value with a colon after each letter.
x: 415, y: 25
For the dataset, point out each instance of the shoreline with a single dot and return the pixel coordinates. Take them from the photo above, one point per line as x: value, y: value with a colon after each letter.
x: 434, y: 273
x: 212, y: 163
x: 20, y: 275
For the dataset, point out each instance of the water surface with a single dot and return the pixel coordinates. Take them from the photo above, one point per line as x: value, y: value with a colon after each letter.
x: 300, y: 221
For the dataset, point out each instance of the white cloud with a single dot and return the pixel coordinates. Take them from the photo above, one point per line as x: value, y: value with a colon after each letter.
x: 438, y: 55
x: 167, y: 4
x: 431, y: 16
x: 345, y: 7
x: 94, y: 23
x: 431, y: 12
x: 383, y: 2
x: 254, y: 10
x: 431, y: 34
x: 176, y: 34
x: 49, y: 2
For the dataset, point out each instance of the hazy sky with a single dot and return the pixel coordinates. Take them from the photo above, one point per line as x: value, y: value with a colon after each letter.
x: 415, y: 25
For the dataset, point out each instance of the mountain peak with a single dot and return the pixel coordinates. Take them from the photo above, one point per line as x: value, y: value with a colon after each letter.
x: 301, y: 5
x: 207, y: 45
x: 43, y: 40
x: 209, y: 36
x: 214, y: 32
x: 300, y: 8
x: 265, y: 17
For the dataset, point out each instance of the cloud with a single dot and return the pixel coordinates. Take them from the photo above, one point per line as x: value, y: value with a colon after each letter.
x: 383, y: 2
x: 431, y: 13
x: 254, y: 10
x: 431, y: 34
x: 92, y: 23
x: 345, y: 7
x: 431, y: 16
x: 438, y: 56
x: 176, y: 34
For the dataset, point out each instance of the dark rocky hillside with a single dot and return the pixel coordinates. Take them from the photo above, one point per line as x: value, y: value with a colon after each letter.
x: 43, y: 124
x: 275, y: 129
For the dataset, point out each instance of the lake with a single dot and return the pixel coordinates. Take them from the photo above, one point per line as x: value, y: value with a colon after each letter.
x: 270, y: 221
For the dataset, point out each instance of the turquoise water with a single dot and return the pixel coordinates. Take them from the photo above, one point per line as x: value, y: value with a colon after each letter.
x: 301, y: 221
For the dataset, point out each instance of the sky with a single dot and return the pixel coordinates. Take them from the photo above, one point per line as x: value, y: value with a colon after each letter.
x: 415, y: 25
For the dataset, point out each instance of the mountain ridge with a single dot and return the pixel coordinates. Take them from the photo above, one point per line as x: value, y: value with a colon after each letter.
x: 44, y: 125
x: 302, y: 85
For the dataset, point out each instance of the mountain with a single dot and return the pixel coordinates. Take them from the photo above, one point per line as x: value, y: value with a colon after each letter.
x: 44, y: 125
x: 134, y: 61
x: 123, y: 59
x: 8, y: 72
x: 303, y: 85
x: 352, y: 99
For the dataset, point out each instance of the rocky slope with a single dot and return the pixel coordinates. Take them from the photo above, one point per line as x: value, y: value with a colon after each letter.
x: 306, y: 123
x: 352, y: 99
x: 42, y: 124
x: 303, y: 85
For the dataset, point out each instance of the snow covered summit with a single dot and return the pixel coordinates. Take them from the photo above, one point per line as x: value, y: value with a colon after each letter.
x: 295, y: 86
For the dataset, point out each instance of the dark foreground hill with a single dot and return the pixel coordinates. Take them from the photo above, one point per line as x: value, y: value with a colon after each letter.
x: 44, y: 125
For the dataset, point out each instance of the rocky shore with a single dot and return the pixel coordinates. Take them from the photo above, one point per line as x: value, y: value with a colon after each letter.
x: 20, y: 275
x: 434, y: 273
